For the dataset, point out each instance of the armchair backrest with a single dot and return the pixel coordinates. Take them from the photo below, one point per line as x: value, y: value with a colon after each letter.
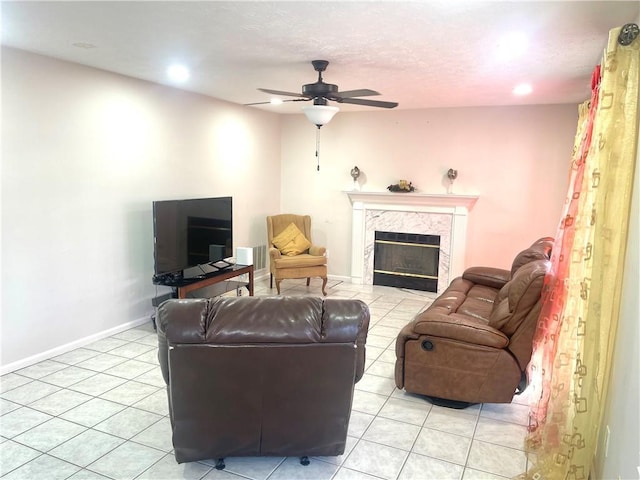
x: 277, y: 223
x: 253, y: 376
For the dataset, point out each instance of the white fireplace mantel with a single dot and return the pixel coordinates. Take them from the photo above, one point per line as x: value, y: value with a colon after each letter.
x: 416, y: 199
x: 444, y: 215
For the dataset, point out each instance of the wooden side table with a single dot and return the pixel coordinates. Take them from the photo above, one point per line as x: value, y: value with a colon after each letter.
x: 217, y: 277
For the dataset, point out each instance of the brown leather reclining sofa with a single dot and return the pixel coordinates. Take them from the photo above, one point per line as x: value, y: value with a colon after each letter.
x: 474, y: 342
x: 254, y: 376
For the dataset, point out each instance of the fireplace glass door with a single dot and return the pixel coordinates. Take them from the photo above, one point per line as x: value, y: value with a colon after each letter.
x: 406, y: 260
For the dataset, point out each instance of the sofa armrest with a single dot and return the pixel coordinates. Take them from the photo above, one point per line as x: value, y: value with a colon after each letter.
x: 462, y: 328
x: 317, y: 251
x: 347, y: 320
x: 274, y: 253
x: 489, y: 276
x: 190, y: 327
x: 407, y: 333
x: 163, y: 354
x: 183, y: 320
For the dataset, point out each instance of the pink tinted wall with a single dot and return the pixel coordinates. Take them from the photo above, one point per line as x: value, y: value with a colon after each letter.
x: 515, y: 159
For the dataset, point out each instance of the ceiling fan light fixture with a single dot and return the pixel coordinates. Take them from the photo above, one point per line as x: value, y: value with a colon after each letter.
x: 320, y: 115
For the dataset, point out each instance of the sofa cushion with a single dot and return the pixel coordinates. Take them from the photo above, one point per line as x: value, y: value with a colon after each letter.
x: 451, y: 298
x: 461, y: 327
x: 300, y: 261
x: 519, y: 296
x: 539, y: 250
x: 291, y: 241
x: 466, y: 298
x: 477, y: 305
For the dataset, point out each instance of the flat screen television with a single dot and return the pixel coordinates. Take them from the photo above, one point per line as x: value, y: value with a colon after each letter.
x: 191, y: 233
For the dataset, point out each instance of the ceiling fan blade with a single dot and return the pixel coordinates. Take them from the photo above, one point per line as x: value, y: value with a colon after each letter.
x: 363, y: 92
x: 368, y: 103
x: 278, y: 92
x: 276, y: 103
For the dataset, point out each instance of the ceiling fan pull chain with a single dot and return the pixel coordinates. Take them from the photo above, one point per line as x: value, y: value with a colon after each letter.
x: 318, y: 147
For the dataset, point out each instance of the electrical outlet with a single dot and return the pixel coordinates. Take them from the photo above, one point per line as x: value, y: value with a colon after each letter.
x: 607, y: 433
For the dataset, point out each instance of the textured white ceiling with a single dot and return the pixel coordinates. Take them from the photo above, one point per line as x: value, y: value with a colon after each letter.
x: 421, y: 54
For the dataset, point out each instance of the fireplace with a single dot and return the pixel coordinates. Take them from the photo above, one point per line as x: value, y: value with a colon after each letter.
x: 444, y: 216
x: 406, y: 260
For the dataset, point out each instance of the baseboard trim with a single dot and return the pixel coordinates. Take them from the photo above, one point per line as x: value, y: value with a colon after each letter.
x: 342, y: 278
x: 54, y: 352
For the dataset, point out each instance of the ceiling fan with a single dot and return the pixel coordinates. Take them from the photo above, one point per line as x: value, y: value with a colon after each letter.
x: 320, y: 92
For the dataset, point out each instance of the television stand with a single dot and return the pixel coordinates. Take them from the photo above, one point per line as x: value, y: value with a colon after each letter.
x: 183, y: 288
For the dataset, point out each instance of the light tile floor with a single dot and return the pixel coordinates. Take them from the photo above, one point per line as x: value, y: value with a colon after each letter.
x: 100, y: 412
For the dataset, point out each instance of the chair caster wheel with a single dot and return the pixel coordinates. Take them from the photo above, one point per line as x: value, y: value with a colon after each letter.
x: 220, y: 464
x: 304, y: 461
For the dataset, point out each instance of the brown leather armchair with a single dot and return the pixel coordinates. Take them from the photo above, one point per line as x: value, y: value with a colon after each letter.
x: 473, y: 344
x: 312, y: 262
x: 260, y: 376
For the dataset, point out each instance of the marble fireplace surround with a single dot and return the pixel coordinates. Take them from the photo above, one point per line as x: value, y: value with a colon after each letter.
x: 430, y: 214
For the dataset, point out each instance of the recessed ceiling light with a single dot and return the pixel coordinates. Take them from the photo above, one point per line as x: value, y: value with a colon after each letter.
x: 522, y: 89
x: 512, y: 45
x: 276, y: 101
x: 178, y: 73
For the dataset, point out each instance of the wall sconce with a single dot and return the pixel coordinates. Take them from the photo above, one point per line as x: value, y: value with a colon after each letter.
x: 355, y: 174
x: 451, y: 175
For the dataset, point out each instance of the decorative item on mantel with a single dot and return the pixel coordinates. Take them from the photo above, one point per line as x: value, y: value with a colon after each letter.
x: 402, y: 186
x: 355, y: 174
x: 451, y: 175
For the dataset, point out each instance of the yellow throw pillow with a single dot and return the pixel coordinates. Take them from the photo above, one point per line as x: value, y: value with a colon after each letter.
x: 291, y: 241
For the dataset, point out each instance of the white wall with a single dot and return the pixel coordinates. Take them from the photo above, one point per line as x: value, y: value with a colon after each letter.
x: 84, y: 153
x: 515, y: 158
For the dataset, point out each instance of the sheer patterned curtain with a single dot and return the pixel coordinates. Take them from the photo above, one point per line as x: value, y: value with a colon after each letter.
x: 572, y: 353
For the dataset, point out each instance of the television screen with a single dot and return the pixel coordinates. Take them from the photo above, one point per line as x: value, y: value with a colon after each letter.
x: 193, y: 232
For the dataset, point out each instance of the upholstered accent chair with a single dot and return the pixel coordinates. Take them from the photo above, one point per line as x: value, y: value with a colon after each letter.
x: 291, y: 251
